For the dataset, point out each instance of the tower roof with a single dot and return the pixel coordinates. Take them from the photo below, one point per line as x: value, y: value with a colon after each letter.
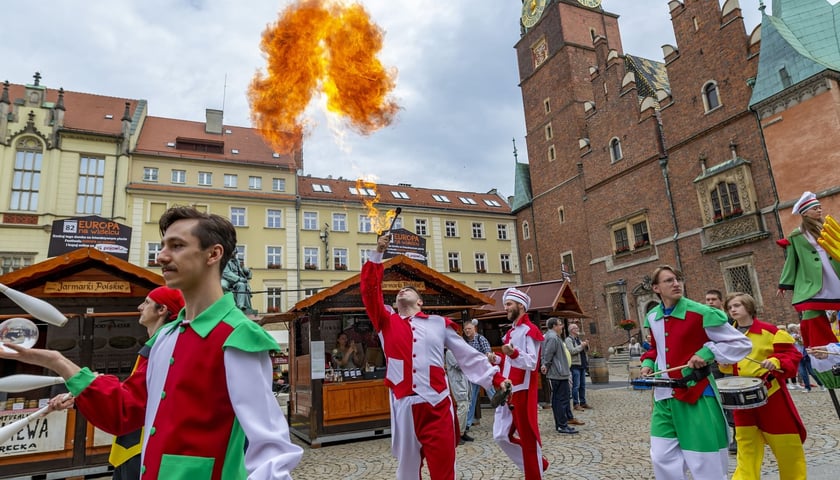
x: 801, y: 38
x: 521, y: 188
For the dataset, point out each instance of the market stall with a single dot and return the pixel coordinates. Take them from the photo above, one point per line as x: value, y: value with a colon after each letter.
x: 329, y: 403
x: 99, y: 294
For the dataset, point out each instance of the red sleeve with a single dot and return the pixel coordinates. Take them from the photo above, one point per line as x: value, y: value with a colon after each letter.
x: 650, y: 354
x: 116, y: 407
x: 371, y: 288
x: 787, y: 354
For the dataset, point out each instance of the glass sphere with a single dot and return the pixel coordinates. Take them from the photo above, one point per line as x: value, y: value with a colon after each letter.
x: 19, y: 331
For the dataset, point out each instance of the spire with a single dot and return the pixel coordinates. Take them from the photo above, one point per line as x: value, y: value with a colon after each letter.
x: 60, y: 104
x: 37, y: 78
x: 515, y: 156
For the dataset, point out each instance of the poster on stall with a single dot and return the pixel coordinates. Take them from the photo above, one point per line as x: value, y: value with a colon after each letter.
x: 45, y: 434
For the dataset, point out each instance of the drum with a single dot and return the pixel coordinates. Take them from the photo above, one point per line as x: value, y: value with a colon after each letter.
x: 741, y: 393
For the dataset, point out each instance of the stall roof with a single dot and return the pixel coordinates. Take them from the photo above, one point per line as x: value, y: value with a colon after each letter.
x: 440, y: 293
x: 77, y: 260
x: 553, y: 298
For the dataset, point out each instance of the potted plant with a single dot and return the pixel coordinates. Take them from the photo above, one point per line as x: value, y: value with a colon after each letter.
x: 454, y: 269
x: 620, y: 250
x: 627, y: 324
x: 310, y: 266
x: 340, y: 266
x: 275, y: 266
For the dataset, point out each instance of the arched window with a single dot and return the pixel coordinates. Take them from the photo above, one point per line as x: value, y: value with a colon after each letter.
x: 26, y: 179
x: 711, y: 96
x: 725, y: 201
x: 615, y: 150
x: 529, y: 262
x: 526, y: 230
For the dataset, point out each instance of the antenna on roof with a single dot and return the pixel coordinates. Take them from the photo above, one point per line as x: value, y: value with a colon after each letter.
x: 224, y: 94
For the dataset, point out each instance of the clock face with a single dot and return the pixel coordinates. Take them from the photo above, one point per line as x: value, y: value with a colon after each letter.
x: 590, y: 3
x: 532, y: 10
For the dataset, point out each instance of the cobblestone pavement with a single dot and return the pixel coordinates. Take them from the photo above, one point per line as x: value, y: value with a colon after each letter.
x: 613, y: 444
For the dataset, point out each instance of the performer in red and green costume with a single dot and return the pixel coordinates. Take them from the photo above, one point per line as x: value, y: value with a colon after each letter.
x: 206, y: 385
x: 774, y: 357
x: 687, y: 428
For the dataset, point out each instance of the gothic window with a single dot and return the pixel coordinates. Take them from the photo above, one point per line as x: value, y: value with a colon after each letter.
x: 529, y: 263
x: 711, y: 96
x: 615, y: 150
x: 739, y: 275
x: 526, y: 231
x: 725, y: 201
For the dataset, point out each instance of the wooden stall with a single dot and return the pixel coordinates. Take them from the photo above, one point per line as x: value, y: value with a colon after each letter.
x: 99, y: 294
x: 552, y: 298
x: 329, y: 405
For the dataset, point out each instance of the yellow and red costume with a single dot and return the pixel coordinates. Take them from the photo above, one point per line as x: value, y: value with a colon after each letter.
x: 777, y: 423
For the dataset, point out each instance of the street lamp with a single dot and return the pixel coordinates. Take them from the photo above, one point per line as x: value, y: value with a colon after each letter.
x: 325, y: 238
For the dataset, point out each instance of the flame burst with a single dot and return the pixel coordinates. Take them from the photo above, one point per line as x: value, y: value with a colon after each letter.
x: 327, y: 46
x: 378, y: 222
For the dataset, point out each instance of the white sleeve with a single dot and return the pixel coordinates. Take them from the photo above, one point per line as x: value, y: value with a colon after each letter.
x: 473, y: 363
x: 270, y: 455
x: 528, y: 354
x: 727, y: 343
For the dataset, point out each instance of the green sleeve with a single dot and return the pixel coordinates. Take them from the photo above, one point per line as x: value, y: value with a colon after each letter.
x: 80, y: 381
x: 250, y: 337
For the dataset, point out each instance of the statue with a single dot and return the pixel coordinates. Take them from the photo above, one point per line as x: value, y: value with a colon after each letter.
x: 235, y: 279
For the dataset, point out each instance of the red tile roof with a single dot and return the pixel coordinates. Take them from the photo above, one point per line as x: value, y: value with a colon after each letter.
x: 158, y: 132
x: 417, y: 197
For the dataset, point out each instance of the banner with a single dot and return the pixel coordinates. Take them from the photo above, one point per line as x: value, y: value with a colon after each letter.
x: 45, y: 434
x: 407, y: 243
x: 94, y: 232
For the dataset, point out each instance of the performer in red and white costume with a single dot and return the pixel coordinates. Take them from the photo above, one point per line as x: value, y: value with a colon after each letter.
x: 422, y: 415
x: 516, y: 429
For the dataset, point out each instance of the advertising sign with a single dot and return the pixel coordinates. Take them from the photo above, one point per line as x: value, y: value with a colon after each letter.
x: 407, y: 243
x: 95, y: 232
x: 46, y: 434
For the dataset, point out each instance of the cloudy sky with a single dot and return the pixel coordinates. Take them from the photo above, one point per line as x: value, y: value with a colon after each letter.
x: 457, y: 74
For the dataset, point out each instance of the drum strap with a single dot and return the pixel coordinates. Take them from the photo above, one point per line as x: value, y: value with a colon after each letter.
x: 696, y: 375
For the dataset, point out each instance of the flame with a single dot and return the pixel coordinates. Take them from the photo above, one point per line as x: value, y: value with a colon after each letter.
x: 327, y: 46
x: 378, y: 222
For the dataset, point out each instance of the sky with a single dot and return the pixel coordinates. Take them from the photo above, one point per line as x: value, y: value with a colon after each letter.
x: 457, y: 77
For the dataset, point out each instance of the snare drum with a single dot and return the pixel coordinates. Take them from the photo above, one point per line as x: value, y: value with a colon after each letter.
x: 741, y: 393
x: 645, y: 383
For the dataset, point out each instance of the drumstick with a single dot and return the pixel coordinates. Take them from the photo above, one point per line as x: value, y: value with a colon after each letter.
x: 666, y: 371
x: 815, y: 350
x: 756, y: 361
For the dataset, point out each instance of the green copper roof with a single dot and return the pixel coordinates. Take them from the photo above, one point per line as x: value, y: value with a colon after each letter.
x: 521, y: 188
x: 800, y: 37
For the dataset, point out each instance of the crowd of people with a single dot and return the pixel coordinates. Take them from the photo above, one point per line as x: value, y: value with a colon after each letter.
x: 699, y: 353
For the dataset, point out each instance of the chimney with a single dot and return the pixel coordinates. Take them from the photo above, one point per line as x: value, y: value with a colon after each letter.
x: 214, y: 121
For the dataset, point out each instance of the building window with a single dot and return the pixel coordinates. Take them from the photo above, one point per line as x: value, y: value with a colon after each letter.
x: 317, y: 187
x: 310, y: 220
x: 467, y: 201
x: 480, y: 263
x: 440, y: 198
x: 526, y: 231
x: 711, y: 96
x: 237, y: 216
x: 615, y: 150
x: 561, y: 214
x: 273, y: 218
x: 240, y: 255
x: 274, y: 257
x: 340, y: 258
x: 9, y: 262
x: 420, y: 226
x: 205, y: 179
x: 725, y: 201
x: 552, y: 153
x: 567, y: 265
x: 26, y: 180
x: 400, y: 195
x: 739, y: 276
x: 273, y: 299
x: 502, y: 231
x: 504, y: 262
x: 365, y: 225
x: 310, y: 258
x: 364, y: 254
x: 230, y: 180
x: 255, y: 183
x: 547, y: 105
x: 152, y: 251
x: 529, y: 263
x: 451, y: 228
x: 179, y: 176
x: 618, y: 310
x: 454, y: 261
x: 91, y: 184
x: 278, y: 184
x: 477, y: 230
x: 339, y: 222
x: 630, y: 233
x: 397, y: 223
x: 548, y: 132
x: 150, y: 174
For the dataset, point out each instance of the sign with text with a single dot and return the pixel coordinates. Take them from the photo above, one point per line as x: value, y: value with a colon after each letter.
x: 392, y: 286
x: 91, y: 286
x: 45, y: 434
x: 95, y: 232
x: 407, y: 243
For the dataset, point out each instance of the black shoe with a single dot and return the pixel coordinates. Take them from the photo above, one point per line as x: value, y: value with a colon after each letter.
x: 566, y: 429
x: 467, y: 438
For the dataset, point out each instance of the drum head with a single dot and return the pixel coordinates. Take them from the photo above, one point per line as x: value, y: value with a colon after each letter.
x: 738, y: 383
